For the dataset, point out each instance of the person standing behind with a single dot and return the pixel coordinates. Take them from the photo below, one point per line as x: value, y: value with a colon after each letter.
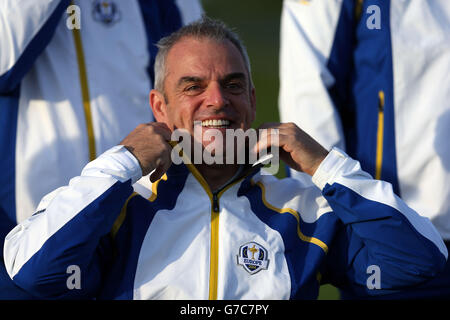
x: 372, y: 77
x: 74, y: 79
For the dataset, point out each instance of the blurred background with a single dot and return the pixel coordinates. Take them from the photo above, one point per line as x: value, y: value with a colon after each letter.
x: 258, y: 24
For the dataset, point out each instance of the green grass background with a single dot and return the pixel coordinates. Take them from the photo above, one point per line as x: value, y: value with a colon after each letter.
x: 258, y: 24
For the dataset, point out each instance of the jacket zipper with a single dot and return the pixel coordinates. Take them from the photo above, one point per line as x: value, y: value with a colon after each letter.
x: 380, y: 131
x: 214, y: 251
x: 215, y: 202
x: 85, y: 96
x: 214, y: 233
x: 358, y: 9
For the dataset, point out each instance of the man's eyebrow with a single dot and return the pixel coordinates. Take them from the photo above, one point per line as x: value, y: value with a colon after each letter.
x: 188, y: 79
x: 233, y: 76
x: 228, y: 77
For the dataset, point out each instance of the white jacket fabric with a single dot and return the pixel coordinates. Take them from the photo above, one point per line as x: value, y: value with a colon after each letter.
x: 110, y: 234
x: 372, y: 77
x: 68, y: 95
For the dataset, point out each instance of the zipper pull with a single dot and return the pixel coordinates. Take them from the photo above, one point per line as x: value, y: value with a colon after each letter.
x: 215, y: 203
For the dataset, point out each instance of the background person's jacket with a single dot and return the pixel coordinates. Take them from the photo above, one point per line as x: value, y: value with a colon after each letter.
x: 256, y: 238
x: 67, y: 95
x: 372, y: 78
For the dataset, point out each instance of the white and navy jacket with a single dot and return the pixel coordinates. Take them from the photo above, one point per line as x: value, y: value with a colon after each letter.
x: 256, y: 238
x: 372, y: 77
x: 68, y: 95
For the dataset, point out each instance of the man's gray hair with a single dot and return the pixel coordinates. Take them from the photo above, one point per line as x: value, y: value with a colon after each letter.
x: 203, y: 28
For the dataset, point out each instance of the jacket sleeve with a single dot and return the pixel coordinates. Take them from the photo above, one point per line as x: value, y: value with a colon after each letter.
x: 26, y: 28
x: 382, y: 244
x: 69, y: 232
x: 315, y: 55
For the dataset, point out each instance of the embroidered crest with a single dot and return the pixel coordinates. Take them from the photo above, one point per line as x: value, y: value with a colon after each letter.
x: 253, y: 257
x: 105, y: 11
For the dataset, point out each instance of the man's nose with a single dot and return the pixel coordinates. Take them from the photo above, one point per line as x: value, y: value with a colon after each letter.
x: 215, y: 96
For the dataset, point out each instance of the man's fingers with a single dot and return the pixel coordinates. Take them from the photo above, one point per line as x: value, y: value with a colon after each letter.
x: 268, y: 138
x: 157, y: 174
x: 270, y: 125
x: 161, y: 167
x: 148, y: 143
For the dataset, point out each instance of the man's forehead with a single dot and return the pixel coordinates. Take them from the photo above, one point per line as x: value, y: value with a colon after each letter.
x: 198, y: 53
x: 192, y: 43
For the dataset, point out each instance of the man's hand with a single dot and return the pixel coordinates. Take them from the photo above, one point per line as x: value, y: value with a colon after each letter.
x: 297, y: 149
x: 149, y: 144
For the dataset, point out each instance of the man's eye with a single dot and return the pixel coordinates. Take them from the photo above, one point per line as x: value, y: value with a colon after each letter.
x: 234, y: 86
x: 192, y: 89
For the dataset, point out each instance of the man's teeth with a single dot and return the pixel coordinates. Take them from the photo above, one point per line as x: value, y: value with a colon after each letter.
x: 215, y: 123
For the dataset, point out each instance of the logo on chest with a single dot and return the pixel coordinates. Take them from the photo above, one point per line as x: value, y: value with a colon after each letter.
x: 105, y: 11
x: 253, y: 257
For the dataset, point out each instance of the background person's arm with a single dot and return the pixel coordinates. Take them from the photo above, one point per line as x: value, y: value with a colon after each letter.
x: 315, y: 63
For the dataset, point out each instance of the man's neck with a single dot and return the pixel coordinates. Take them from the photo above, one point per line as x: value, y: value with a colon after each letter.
x: 217, y: 175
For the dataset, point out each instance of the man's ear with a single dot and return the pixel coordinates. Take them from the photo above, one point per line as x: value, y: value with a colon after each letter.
x: 158, y: 105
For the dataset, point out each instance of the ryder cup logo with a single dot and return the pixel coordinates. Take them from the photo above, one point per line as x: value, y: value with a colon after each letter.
x: 252, y: 257
x: 105, y: 11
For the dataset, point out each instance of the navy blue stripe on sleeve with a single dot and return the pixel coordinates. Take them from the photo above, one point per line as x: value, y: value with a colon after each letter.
x: 387, y: 239
x: 8, y: 128
x: 45, y: 274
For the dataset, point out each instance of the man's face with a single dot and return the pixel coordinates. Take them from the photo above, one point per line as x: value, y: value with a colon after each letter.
x: 207, y: 82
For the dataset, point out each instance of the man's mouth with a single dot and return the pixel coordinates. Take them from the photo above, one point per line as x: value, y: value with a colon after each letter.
x: 216, y: 123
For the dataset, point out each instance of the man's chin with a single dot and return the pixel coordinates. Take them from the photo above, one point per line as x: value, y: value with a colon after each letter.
x: 223, y: 154
x: 216, y: 145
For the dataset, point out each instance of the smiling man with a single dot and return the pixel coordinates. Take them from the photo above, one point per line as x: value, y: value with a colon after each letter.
x: 210, y: 88
x: 218, y: 231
